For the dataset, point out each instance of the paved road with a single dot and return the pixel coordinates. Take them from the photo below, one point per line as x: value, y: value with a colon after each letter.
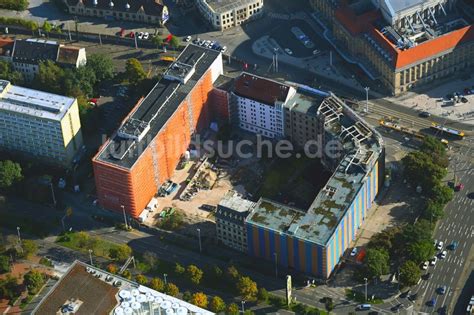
x: 456, y: 226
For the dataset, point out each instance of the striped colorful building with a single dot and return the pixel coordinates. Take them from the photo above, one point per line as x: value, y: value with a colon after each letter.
x: 314, y: 240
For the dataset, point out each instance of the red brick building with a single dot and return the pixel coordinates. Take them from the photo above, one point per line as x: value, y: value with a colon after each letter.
x: 145, y: 150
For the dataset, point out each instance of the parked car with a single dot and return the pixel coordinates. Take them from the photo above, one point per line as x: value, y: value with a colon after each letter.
x: 187, y: 38
x: 354, y: 251
x: 431, y: 302
x: 413, y: 297
x: 288, y: 51
x: 140, y: 35
x: 459, y: 187
x: 425, y: 265
x: 433, y: 261
x: 131, y: 34
x: 453, y: 245
x: 146, y: 35
x: 223, y: 49
x: 396, y: 307
x: 439, y: 246
x: 426, y: 276
x: 363, y: 307
x: 121, y: 32
x: 443, y: 254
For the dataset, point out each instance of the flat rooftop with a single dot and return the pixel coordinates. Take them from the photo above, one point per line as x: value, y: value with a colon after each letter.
x: 361, y: 148
x: 95, y: 291
x: 236, y: 202
x: 152, y: 113
x: 32, y: 102
x: 222, y: 6
x: 304, y: 104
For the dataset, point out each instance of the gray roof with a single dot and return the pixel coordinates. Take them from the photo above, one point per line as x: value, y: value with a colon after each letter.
x: 35, y: 50
x: 222, y: 6
x: 396, y: 6
x: 157, y: 108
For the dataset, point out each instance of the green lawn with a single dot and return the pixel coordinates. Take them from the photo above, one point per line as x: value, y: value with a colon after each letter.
x: 82, y: 242
x: 360, y: 298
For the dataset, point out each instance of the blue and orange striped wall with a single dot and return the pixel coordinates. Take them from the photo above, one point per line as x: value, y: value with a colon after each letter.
x: 310, y: 257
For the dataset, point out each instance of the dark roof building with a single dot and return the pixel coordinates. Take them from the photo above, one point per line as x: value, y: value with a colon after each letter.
x: 33, y: 51
x: 260, y: 89
x: 148, y: 11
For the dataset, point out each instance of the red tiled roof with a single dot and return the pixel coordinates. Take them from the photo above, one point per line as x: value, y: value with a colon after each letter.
x: 259, y: 89
x: 68, y: 54
x: 434, y: 46
x: 6, y: 43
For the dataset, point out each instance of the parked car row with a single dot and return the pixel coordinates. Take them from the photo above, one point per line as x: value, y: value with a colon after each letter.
x: 209, y: 44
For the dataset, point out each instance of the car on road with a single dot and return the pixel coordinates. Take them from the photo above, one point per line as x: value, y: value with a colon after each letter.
x: 453, y: 245
x: 426, y: 276
x: 431, y: 302
x: 363, y: 307
x: 396, y: 307
x: 187, y: 38
x: 425, y: 265
x: 433, y: 261
x: 405, y: 294
x: 316, y: 52
x: 424, y: 114
x: 288, y: 51
x: 223, y: 49
x: 459, y: 187
x: 413, y: 297
x: 443, y: 254
x: 354, y: 251
x: 442, y: 290
x: 439, y: 246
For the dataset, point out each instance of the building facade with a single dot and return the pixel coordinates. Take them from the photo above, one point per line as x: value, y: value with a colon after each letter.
x: 230, y: 221
x: 39, y: 125
x: 144, y: 152
x: 27, y: 54
x: 259, y: 103
x: 404, y: 45
x: 144, y: 11
x: 224, y: 14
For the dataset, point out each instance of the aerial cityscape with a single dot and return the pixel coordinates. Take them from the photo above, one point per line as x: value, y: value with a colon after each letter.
x: 236, y: 157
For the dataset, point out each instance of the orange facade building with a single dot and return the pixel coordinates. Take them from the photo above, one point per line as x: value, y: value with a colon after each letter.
x: 144, y: 152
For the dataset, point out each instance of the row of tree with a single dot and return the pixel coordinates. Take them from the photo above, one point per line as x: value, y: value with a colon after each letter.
x: 405, y: 248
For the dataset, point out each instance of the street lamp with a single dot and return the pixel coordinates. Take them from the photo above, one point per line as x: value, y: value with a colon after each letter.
x: 199, y: 237
x: 18, y: 232
x: 90, y: 256
x: 164, y: 276
x: 365, y: 279
x: 276, y: 264
x: 366, y: 99
x: 124, y: 216
x: 243, y: 306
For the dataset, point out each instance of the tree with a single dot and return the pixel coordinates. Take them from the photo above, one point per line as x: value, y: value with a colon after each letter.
x: 178, y: 269
x: 436, y: 149
x: 134, y: 71
x: 441, y: 194
x: 4, y: 264
x: 47, y: 27
x: 194, y: 274
x: 262, y: 295
x: 112, y: 268
x: 233, y: 309
x: 102, y: 65
x: 410, y: 273
x: 174, y: 42
x: 217, y: 304
x: 232, y: 273
x: 9, y: 287
x: 433, y: 210
x: 151, y: 259
x: 79, y: 81
x: 17, y: 5
x: 199, y: 299
x: 33, y: 280
x: 50, y: 77
x: 187, y: 296
x: 29, y: 248
x: 157, y: 284
x: 247, y: 288
x: 141, y: 279
x: 384, y: 239
x: 157, y: 41
x: 329, y: 304
x: 10, y: 174
x: 377, y: 262
x: 421, y: 170
x: 8, y: 73
x: 120, y: 252
x: 420, y: 251
x: 127, y: 274
x: 171, y: 289
x: 216, y: 272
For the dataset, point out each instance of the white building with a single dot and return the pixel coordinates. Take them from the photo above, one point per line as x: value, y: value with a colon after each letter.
x: 259, y: 103
x: 230, y: 221
x: 29, y: 53
x: 223, y: 14
x: 41, y: 125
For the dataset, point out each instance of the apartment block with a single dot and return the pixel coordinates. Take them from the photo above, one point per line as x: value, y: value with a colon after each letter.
x: 145, y: 150
x: 39, y: 125
x: 224, y: 14
x: 231, y: 213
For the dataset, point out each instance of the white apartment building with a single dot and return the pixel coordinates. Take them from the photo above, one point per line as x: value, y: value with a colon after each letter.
x: 230, y: 221
x: 40, y: 125
x: 223, y: 14
x: 259, y: 103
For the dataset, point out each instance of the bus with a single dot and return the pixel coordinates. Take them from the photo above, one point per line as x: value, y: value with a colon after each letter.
x: 450, y: 131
